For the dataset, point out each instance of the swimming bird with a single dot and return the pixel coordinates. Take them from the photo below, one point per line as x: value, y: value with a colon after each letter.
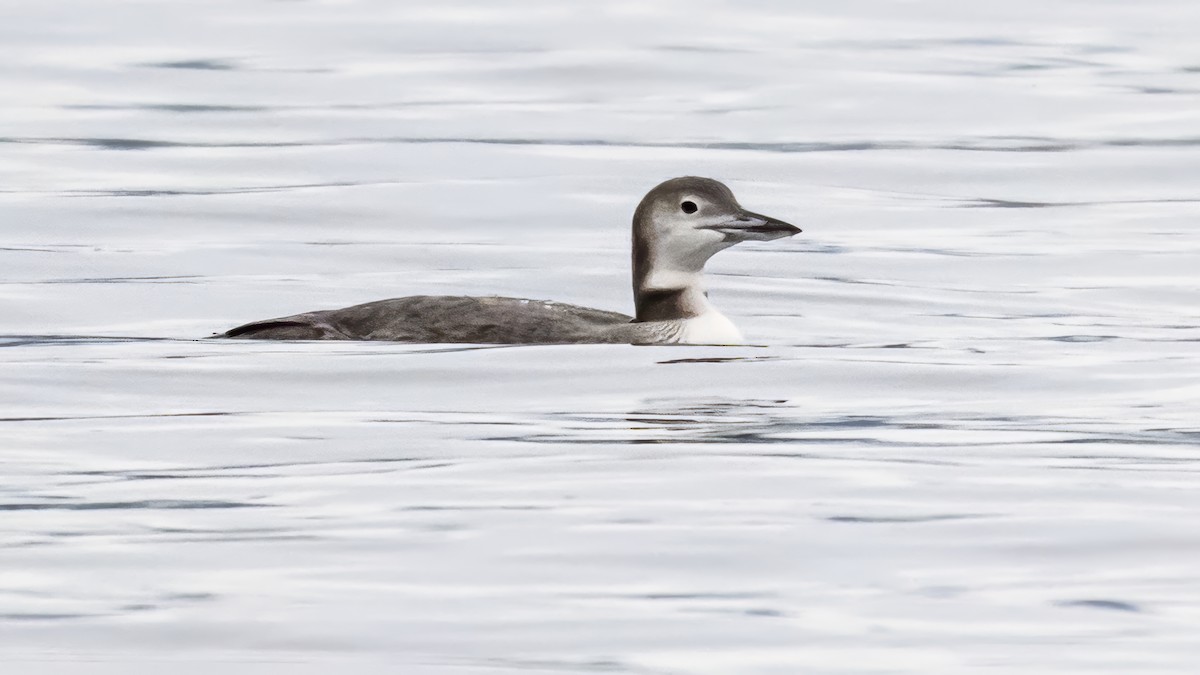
x: 677, y: 227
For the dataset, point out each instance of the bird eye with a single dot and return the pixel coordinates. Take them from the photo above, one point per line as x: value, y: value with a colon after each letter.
x: 689, y: 207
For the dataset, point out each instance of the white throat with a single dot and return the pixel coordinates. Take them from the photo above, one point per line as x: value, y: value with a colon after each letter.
x: 667, y: 278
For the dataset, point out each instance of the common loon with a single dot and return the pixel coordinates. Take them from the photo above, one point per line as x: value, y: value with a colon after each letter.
x: 677, y: 227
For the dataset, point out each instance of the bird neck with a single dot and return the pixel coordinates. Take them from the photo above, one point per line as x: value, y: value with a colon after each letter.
x: 668, y: 294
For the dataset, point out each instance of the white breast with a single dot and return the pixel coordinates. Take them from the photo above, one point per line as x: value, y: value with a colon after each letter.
x: 710, y: 328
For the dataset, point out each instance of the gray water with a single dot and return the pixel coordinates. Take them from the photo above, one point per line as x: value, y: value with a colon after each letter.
x: 964, y: 437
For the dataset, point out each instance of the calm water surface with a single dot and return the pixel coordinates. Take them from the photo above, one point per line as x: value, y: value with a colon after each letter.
x: 965, y: 438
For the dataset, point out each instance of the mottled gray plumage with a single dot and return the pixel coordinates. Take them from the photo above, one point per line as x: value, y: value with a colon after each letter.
x: 433, y: 319
x: 676, y: 228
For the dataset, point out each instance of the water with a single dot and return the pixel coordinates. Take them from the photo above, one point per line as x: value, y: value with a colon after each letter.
x: 965, y: 438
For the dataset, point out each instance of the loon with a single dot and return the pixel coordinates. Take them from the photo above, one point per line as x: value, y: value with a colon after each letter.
x: 677, y: 227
